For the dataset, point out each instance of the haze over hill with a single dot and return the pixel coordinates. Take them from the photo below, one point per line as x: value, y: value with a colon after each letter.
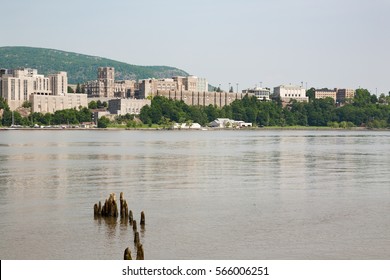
x: 80, y: 67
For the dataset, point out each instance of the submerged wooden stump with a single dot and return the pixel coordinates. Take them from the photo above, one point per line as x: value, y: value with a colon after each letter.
x: 124, y: 208
x: 95, y: 209
x: 136, y: 237
x: 127, y: 254
x: 140, y: 252
x: 109, y: 209
x: 131, y: 217
x: 142, y: 222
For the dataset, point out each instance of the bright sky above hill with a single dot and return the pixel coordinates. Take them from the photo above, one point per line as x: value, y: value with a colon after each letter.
x: 324, y: 43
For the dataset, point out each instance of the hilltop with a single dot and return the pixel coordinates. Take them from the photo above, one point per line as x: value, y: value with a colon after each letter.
x: 80, y: 67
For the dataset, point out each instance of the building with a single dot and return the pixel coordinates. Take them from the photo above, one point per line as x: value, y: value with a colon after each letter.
x: 191, y: 83
x: 51, y: 103
x: 191, y: 98
x: 125, y: 88
x: 149, y: 87
x: 127, y: 106
x: 104, y: 86
x: 106, y: 75
x: 19, y: 84
x: 59, y: 83
x: 324, y: 93
x: 288, y: 93
x: 260, y: 93
x: 344, y: 94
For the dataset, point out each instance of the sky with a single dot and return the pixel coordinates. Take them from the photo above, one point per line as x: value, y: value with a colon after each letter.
x: 318, y: 43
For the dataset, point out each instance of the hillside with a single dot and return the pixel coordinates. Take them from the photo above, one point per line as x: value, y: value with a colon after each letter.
x: 80, y: 68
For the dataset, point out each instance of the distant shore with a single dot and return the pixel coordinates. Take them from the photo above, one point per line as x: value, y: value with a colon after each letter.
x: 308, y: 128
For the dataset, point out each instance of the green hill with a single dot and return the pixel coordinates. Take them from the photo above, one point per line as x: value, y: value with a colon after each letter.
x: 80, y: 68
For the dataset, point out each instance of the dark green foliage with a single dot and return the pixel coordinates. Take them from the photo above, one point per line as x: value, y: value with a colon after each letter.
x: 319, y: 112
x: 80, y: 68
x: 103, y: 122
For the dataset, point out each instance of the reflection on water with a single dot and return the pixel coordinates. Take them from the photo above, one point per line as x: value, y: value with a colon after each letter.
x: 207, y: 194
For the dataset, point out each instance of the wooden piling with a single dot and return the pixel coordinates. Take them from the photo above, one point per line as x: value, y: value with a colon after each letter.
x: 131, y: 217
x: 95, y: 209
x: 127, y: 254
x: 136, y: 237
x: 140, y: 252
x: 142, y: 222
x: 134, y: 225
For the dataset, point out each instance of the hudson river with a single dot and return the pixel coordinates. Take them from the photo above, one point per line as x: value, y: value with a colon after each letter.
x: 206, y: 194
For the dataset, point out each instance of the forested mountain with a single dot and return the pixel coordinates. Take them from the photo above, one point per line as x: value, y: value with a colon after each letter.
x: 80, y: 68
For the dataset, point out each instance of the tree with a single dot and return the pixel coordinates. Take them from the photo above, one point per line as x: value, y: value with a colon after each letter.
x: 27, y: 104
x: 362, y: 97
x: 103, y: 122
x: 92, y: 105
x: 70, y: 89
x: 311, y: 94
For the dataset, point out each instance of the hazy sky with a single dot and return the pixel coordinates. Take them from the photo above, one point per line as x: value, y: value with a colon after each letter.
x: 324, y: 43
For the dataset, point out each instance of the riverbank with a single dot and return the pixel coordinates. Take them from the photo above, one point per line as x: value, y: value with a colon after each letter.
x: 313, y: 128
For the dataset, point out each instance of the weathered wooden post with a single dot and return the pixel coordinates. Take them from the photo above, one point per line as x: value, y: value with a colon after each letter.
x: 127, y: 254
x: 95, y: 209
x: 131, y: 217
x: 134, y: 225
x: 142, y: 222
x: 113, y: 206
x: 136, y: 237
x: 140, y: 252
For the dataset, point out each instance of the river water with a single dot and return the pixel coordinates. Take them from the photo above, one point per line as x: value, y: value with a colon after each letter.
x: 257, y: 194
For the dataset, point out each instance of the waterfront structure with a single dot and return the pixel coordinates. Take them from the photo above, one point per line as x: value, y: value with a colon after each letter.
x: 187, y: 126
x: 288, y: 93
x: 344, y: 94
x: 228, y: 123
x: 260, y: 93
x: 324, y: 93
x: 51, y: 103
x: 18, y: 85
x: 127, y: 106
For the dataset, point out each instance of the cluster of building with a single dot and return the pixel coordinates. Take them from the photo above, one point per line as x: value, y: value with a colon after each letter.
x: 338, y: 95
x: 292, y: 92
x: 49, y: 94
x: 46, y: 94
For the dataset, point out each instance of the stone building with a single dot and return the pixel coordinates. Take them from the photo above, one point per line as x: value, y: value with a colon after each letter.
x: 52, y: 103
x: 290, y: 92
x: 218, y: 99
x: 127, y: 106
x: 324, y: 93
x: 17, y: 86
x: 106, y: 86
x: 344, y: 94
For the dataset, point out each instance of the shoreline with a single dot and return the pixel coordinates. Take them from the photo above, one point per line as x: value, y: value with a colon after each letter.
x: 308, y: 128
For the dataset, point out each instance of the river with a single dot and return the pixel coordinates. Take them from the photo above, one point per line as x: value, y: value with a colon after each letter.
x: 252, y: 194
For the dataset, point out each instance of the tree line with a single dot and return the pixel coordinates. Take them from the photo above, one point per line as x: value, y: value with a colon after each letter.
x: 364, y: 109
